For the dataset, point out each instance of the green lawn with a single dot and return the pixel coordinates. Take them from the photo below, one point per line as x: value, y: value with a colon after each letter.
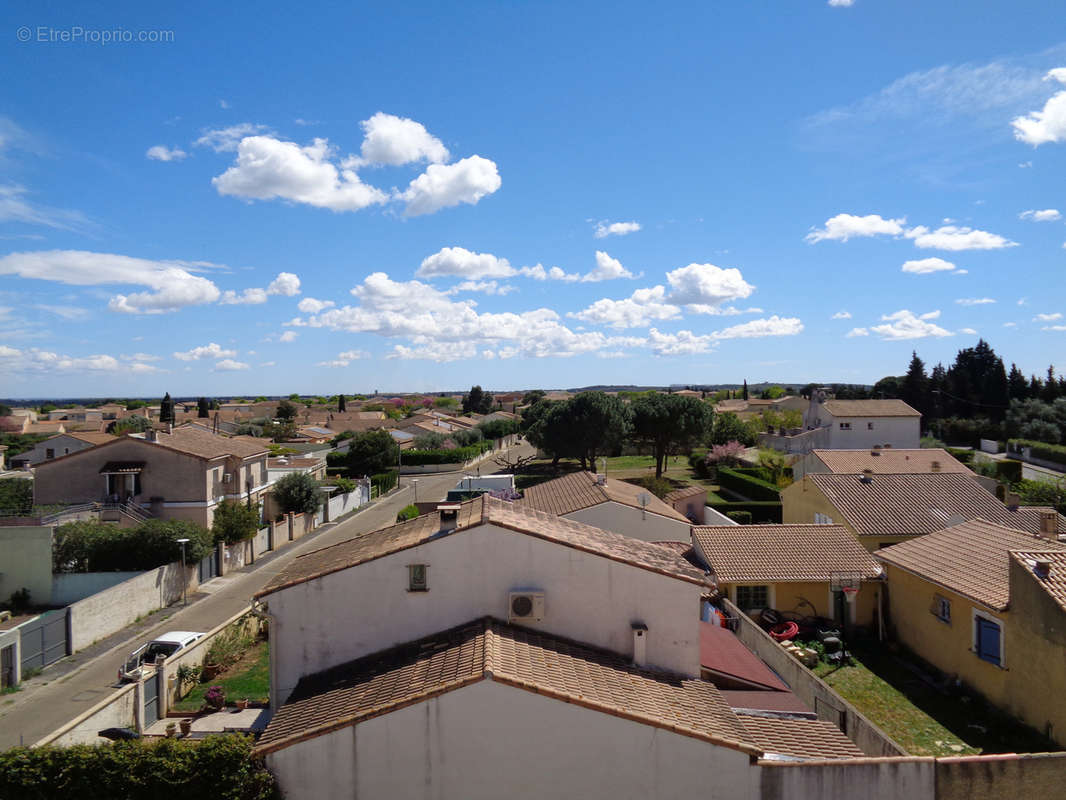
x: 921, y: 718
x: 676, y: 469
x: 248, y: 678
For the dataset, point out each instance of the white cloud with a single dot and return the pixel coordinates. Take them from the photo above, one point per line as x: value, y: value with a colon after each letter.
x: 288, y: 336
x: 210, y: 350
x: 682, y: 343
x: 224, y: 104
x: 268, y: 168
x: 173, y: 283
x: 485, y: 287
x: 1010, y: 324
x: 14, y: 207
x: 225, y: 140
x: 857, y: 332
x: 638, y: 310
x: 841, y: 3
x: 396, y: 140
x: 975, y: 301
x: 446, y: 185
x: 968, y: 331
x: 1054, y: 328
x: 704, y: 287
x: 842, y: 315
x: 249, y: 297
x: 269, y: 364
x: 905, y: 325
x: 927, y: 266
x: 458, y: 261
x: 605, y: 229
x: 845, y: 226
x: 607, y: 269
x: 285, y: 284
x: 951, y: 237
x: 140, y: 357
x: 1049, y: 123
x: 161, y: 152
x: 229, y: 365
x: 538, y: 273
x: 757, y: 328
x: 1043, y: 215
x: 353, y: 355
x: 335, y: 364
x: 1047, y: 317
x: 310, y: 305
x: 66, y: 312
x: 33, y: 359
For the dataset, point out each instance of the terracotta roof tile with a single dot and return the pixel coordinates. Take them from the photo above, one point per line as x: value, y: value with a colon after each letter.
x: 763, y: 700
x: 800, y: 738
x: 91, y: 437
x: 971, y: 559
x: 781, y: 552
x: 492, y: 650
x: 684, y: 493
x: 198, y: 442
x: 1054, y: 583
x: 910, y: 505
x: 472, y: 513
x: 890, y: 461
x: 869, y: 408
x: 580, y: 490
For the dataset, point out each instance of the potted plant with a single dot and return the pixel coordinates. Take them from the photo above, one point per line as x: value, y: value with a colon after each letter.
x: 242, y: 704
x: 215, y: 698
x: 172, y: 729
x: 186, y: 726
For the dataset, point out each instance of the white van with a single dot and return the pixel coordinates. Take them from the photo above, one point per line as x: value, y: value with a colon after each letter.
x: 145, y: 655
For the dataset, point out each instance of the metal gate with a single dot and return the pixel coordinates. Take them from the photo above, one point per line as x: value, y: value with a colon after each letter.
x: 209, y: 567
x: 150, y: 688
x: 7, y: 666
x: 44, y: 640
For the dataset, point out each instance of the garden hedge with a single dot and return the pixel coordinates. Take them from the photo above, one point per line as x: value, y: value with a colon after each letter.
x: 457, y: 455
x: 760, y: 512
x: 1042, y: 450
x: 751, y: 487
x: 385, y: 481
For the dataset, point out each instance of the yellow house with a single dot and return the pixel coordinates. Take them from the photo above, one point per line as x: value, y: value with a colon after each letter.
x: 791, y: 568
x: 987, y: 604
x: 884, y: 509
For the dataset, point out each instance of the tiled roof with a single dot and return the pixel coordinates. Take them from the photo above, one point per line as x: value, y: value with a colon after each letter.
x: 198, y: 442
x: 485, y: 510
x: 1054, y: 583
x: 763, y: 700
x: 580, y: 490
x: 869, y: 408
x: 722, y: 653
x: 686, y: 492
x: 90, y: 437
x: 800, y: 738
x: 909, y: 505
x: 890, y: 461
x: 790, y: 552
x: 491, y: 650
x: 971, y: 559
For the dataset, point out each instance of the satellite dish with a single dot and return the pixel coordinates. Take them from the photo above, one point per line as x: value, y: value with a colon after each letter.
x: 643, y: 498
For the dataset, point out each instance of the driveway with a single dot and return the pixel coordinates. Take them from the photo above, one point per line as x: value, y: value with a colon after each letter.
x: 71, y: 686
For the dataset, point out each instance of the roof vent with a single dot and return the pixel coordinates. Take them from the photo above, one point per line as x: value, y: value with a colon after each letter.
x: 1049, y: 525
x: 935, y: 466
x: 601, y: 479
x: 1013, y: 501
x: 876, y: 451
x: 1042, y: 569
x: 867, y: 476
x: 449, y: 516
x: 640, y: 644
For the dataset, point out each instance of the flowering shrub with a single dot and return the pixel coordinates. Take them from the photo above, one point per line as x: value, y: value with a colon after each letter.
x: 725, y: 455
x: 215, y: 697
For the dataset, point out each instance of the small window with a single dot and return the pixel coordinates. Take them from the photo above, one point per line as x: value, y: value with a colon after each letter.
x: 845, y: 426
x: 942, y: 608
x: 822, y: 519
x: 987, y: 643
x: 749, y: 597
x: 869, y: 426
x: 49, y: 453
x: 416, y: 578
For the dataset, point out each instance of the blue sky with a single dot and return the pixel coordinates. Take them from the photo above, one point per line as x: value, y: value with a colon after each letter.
x: 320, y: 199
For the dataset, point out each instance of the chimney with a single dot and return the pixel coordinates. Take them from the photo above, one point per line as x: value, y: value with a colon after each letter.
x: 640, y: 644
x: 1049, y: 525
x: 876, y: 451
x: 449, y: 517
x: 1013, y: 501
x: 867, y: 476
x: 601, y: 479
x: 150, y: 435
x: 935, y: 466
x: 1042, y: 569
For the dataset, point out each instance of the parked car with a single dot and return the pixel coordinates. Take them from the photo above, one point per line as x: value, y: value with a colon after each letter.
x: 145, y: 656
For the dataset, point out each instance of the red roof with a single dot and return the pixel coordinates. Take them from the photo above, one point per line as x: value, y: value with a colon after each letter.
x: 723, y: 653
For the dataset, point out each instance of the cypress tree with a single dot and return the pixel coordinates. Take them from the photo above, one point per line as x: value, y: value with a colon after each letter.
x: 166, y: 409
x: 202, y: 408
x: 341, y: 403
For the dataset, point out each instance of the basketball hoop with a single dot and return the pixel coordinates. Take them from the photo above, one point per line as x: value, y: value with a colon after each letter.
x: 850, y: 593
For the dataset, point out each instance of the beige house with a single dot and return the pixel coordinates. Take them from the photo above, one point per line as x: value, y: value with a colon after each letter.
x: 610, y: 504
x: 880, y: 510
x: 184, y: 474
x: 880, y: 460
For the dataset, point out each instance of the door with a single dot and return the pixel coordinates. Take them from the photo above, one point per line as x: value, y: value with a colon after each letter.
x: 150, y: 686
x: 7, y: 666
x: 208, y: 567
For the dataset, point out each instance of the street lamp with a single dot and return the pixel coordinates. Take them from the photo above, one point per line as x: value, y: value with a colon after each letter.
x: 415, y: 482
x: 184, y: 579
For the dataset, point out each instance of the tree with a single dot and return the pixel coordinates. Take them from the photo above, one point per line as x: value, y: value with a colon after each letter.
x: 166, y: 409
x: 914, y: 391
x: 477, y: 402
x: 1017, y: 385
x: 235, y: 521
x: 286, y: 410
x: 342, y: 404
x: 134, y: 423
x: 5, y: 410
x: 16, y: 496
x: 298, y: 493
x: 745, y: 388
x: 530, y: 397
x: 598, y: 423
x: 203, y: 409
x: 728, y: 427
x: 371, y: 452
x: 772, y: 393
x: 670, y: 423
x: 1051, y: 386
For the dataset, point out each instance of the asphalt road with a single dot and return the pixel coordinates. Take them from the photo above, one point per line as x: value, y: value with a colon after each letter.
x: 71, y: 686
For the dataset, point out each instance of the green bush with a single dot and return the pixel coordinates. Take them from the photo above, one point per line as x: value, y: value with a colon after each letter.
x: 742, y: 517
x: 961, y: 454
x: 458, y: 455
x: 101, y: 547
x: 218, y: 767
x: 297, y: 492
x: 235, y: 521
x: 344, y: 485
x: 227, y: 648
x: 1047, y: 452
x: 385, y: 481
x: 16, y: 496
x: 660, y: 487
x: 407, y: 512
x: 760, y: 512
x: 747, y: 485
x: 1009, y: 471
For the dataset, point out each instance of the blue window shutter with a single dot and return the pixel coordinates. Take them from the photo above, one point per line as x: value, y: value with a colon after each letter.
x: 988, y: 640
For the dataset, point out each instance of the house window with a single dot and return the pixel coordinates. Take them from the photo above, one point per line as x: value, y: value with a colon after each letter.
x: 845, y: 426
x: 988, y: 640
x: 869, y: 426
x: 416, y: 578
x: 49, y: 453
x: 822, y: 519
x: 942, y: 608
x: 749, y: 597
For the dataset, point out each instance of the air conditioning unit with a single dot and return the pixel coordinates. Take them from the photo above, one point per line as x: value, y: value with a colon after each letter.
x: 226, y: 477
x: 525, y: 607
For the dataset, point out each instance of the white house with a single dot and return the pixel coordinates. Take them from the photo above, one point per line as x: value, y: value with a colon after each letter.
x: 832, y: 424
x: 610, y: 504
x: 60, y: 445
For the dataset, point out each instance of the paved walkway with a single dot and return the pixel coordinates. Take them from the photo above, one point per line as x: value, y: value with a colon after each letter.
x: 76, y: 683
x: 1033, y: 472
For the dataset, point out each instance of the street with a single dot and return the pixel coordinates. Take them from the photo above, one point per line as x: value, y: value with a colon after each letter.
x: 53, y: 698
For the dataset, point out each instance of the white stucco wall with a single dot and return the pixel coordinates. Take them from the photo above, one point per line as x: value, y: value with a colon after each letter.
x: 900, y: 432
x: 491, y: 741
x: 632, y: 522
x: 358, y: 611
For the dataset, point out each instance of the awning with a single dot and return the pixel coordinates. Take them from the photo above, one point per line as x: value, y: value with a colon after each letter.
x: 122, y: 468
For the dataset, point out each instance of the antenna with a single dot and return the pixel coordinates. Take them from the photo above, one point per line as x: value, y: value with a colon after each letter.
x: 643, y: 498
